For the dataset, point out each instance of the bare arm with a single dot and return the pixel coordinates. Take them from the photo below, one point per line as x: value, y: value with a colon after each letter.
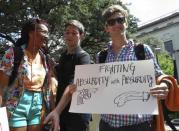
x: 54, y: 115
x: 53, y: 87
x: 67, y: 96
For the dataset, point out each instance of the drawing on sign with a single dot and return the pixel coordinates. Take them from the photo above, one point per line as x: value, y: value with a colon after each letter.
x: 85, y: 94
x: 125, y: 97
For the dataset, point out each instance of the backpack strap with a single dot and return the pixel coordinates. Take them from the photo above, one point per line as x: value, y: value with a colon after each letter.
x: 138, y: 48
x: 139, y: 51
x: 18, y: 54
x: 103, y: 55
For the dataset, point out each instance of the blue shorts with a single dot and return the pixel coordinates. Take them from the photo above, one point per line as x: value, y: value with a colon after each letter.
x: 28, y: 111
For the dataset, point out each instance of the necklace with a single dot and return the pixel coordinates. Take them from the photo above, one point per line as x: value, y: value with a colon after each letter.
x: 32, y: 60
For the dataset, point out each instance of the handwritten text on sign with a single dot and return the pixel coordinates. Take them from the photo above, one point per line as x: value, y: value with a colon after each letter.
x: 117, y: 87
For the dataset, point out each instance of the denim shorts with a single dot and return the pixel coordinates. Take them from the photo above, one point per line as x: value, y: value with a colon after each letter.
x: 28, y: 111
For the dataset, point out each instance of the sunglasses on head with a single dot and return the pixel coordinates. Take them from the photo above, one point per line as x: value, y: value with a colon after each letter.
x: 119, y: 20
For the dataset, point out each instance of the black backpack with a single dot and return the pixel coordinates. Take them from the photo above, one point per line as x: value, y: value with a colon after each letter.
x: 140, y: 54
x: 139, y: 51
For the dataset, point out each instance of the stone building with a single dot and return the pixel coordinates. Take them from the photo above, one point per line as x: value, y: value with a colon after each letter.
x: 166, y: 29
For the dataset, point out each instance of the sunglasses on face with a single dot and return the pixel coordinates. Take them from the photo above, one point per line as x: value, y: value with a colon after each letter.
x: 119, y: 20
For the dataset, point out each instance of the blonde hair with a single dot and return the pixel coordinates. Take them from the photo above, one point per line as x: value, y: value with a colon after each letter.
x: 111, y: 10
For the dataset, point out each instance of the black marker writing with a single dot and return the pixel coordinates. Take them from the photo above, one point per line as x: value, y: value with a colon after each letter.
x: 85, y: 94
x: 117, y: 68
x: 137, y: 79
x: 123, y: 98
x: 93, y: 81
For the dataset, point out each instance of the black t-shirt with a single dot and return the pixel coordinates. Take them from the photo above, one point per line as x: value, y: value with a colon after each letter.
x: 66, y: 69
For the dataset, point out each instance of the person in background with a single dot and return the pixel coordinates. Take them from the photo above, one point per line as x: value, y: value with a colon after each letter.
x: 73, y: 55
x: 122, y: 49
x: 26, y: 89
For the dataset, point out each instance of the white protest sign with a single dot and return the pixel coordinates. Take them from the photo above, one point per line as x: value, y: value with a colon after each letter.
x: 4, y: 126
x: 115, y: 88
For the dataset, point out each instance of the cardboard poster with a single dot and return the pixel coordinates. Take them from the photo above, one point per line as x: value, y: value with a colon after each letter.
x: 4, y: 126
x: 115, y: 88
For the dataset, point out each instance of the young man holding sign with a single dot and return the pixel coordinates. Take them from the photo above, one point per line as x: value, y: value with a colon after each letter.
x: 122, y: 49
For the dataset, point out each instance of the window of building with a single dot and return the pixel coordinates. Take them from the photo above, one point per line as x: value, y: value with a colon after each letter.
x: 169, y: 47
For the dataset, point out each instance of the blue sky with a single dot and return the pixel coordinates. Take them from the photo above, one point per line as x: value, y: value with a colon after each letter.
x: 148, y: 10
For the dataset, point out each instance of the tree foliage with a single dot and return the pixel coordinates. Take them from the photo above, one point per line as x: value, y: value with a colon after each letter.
x: 166, y: 63
x: 164, y: 59
x: 13, y: 13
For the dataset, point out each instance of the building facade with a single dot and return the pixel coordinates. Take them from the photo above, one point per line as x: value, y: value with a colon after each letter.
x: 166, y: 29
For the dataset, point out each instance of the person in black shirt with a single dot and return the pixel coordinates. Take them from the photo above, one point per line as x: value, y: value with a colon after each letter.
x: 73, y: 55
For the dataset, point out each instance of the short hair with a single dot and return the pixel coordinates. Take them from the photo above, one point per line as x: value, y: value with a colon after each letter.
x: 111, y: 10
x: 77, y: 24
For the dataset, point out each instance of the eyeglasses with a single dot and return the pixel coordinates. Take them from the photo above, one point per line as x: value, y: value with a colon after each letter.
x: 119, y: 20
x: 43, y: 31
